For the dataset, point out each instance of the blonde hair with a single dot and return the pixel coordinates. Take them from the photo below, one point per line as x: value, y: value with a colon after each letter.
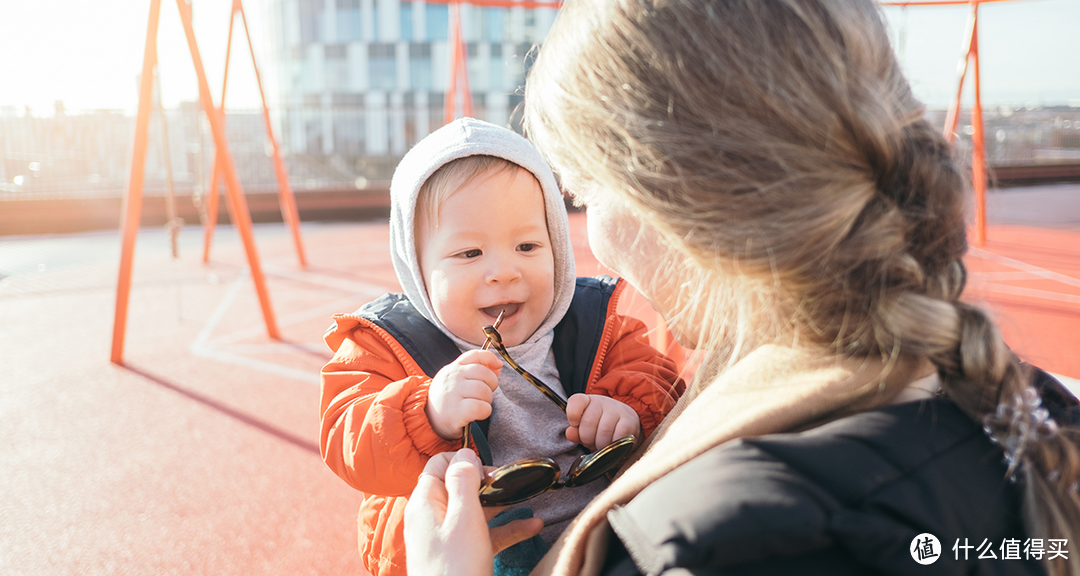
x: 453, y: 176
x: 778, y: 148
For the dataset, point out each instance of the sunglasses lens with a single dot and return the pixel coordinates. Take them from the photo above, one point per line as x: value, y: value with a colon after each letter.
x: 589, y: 467
x: 518, y: 481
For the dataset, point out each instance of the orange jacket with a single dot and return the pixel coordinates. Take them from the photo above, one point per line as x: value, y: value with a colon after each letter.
x: 375, y: 434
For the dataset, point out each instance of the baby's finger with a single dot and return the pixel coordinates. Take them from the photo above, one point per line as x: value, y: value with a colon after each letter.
x: 481, y: 374
x: 605, y: 429
x: 573, y: 435
x: 627, y: 427
x: 486, y: 358
x: 590, y: 423
x: 473, y: 409
x: 575, y: 407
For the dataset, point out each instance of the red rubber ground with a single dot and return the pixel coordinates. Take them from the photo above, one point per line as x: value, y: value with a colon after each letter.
x: 200, y: 454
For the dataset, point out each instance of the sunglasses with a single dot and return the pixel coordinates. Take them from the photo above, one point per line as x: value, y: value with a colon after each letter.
x: 525, y: 479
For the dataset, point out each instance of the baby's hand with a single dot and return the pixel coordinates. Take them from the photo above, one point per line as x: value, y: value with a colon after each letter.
x: 597, y: 420
x: 461, y: 392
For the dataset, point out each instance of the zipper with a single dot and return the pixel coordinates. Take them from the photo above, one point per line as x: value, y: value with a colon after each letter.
x: 605, y: 336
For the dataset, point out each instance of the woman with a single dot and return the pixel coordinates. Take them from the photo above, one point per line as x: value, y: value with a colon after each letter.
x: 762, y: 173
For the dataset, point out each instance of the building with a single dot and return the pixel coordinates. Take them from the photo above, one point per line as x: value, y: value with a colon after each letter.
x: 360, y: 81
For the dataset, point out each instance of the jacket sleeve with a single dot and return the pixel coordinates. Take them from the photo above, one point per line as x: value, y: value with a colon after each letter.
x: 374, y: 432
x: 634, y: 373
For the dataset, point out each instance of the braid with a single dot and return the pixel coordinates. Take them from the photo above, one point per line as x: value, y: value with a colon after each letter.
x: 988, y: 383
x: 978, y: 371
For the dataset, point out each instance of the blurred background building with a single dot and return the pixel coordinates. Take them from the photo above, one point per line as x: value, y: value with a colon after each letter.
x: 360, y: 81
x: 353, y: 84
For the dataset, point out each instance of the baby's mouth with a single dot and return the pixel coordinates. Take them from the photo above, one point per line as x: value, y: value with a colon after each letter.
x: 510, y: 308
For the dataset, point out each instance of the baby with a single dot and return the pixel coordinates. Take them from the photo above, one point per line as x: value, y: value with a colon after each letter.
x: 479, y: 227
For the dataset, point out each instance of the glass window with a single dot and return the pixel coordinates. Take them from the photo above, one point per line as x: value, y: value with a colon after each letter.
x: 348, y: 21
x: 495, y: 24
x: 435, y: 109
x: 381, y: 66
x: 335, y: 51
x: 420, y: 66
x: 311, y: 16
x: 406, y: 21
x: 437, y: 19
x: 496, y: 69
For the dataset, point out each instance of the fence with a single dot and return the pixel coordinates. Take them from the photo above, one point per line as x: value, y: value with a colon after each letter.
x: 87, y: 154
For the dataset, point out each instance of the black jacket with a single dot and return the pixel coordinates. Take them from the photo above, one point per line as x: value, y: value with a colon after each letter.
x: 848, y: 497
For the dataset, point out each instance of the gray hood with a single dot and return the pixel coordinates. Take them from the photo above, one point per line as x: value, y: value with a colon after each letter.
x: 458, y: 139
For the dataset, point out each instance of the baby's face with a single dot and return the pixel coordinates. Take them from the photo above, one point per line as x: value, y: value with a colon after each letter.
x: 489, y: 251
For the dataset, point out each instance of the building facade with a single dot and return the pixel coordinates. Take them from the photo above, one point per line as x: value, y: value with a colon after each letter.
x: 360, y: 81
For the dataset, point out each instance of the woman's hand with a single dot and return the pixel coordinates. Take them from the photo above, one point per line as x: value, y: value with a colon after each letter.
x: 595, y: 421
x: 445, y: 524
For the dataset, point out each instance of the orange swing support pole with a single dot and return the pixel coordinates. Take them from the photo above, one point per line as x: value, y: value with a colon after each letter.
x: 232, y: 181
x: 978, y: 137
x: 286, y: 198
x: 285, y: 194
x: 450, y: 100
x: 952, y: 118
x: 133, y: 198
x: 215, y: 178
x: 463, y: 67
x: 459, y: 70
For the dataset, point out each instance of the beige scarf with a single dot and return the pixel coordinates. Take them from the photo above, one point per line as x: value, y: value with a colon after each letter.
x: 773, y: 389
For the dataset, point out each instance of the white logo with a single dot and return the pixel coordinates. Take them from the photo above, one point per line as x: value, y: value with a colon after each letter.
x: 925, y: 549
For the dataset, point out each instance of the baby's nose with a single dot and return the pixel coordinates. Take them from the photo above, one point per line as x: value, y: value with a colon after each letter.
x: 503, y: 269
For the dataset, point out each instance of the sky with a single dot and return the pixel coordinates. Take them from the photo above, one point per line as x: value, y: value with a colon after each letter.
x: 88, y: 53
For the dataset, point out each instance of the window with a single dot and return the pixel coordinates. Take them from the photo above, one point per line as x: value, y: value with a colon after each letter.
x: 348, y: 21
x: 530, y: 25
x: 437, y: 19
x: 335, y: 51
x: 420, y: 75
x: 435, y: 110
x: 382, y: 68
x: 406, y: 21
x: 311, y: 16
x: 495, y: 24
x: 497, y: 78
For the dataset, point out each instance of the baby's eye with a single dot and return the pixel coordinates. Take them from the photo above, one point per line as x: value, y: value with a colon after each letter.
x: 474, y: 253
x: 527, y: 247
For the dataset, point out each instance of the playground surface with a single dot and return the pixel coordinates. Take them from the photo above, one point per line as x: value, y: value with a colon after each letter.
x: 200, y: 454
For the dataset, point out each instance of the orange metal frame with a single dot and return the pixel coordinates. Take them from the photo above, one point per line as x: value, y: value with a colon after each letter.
x: 285, y: 194
x: 133, y: 198
x: 978, y: 136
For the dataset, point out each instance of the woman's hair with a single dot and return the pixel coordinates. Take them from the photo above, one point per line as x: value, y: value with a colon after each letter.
x: 778, y: 147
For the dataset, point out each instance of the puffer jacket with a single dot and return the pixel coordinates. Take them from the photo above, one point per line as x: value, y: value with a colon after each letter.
x: 375, y: 434
x: 855, y: 496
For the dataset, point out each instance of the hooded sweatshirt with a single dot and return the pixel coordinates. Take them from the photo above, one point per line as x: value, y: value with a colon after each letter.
x: 524, y: 423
